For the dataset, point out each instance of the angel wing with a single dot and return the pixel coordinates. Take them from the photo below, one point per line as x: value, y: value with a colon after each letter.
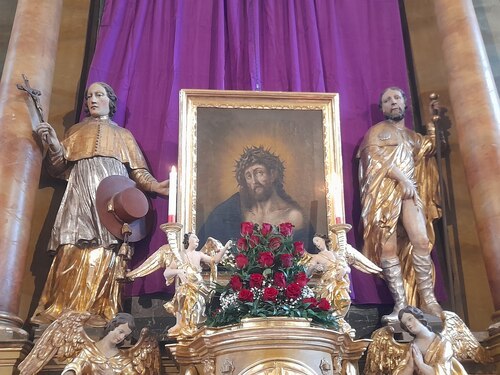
x: 145, y: 354
x: 161, y: 258
x: 465, y: 345
x: 360, y: 262
x: 384, y: 353
x: 63, y: 339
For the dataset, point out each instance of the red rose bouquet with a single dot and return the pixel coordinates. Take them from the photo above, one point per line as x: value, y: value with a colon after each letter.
x: 267, y: 279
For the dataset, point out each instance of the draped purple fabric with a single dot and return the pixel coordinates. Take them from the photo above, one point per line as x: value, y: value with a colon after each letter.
x: 149, y: 50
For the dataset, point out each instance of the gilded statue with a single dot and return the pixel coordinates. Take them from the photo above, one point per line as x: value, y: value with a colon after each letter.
x: 66, y: 341
x: 185, y: 269
x: 399, y: 195
x: 83, y: 272
x: 428, y: 352
x: 334, y: 266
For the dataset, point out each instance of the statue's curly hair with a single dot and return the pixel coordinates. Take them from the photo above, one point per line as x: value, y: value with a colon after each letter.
x: 111, y: 95
x: 118, y: 320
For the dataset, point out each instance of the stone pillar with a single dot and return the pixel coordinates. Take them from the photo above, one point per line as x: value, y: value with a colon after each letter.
x: 32, y: 51
x: 475, y: 103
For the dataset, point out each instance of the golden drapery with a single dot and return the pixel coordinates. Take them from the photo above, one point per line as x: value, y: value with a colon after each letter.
x: 91, y: 361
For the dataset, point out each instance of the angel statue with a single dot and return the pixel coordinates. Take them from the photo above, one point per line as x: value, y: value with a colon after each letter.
x: 66, y: 340
x: 428, y: 352
x: 191, y: 292
x: 333, y: 265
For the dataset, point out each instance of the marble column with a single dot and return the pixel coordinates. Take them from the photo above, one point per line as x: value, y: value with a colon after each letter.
x: 475, y: 103
x: 32, y: 51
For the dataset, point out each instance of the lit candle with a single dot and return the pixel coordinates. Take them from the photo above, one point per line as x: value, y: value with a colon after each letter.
x: 337, y: 198
x: 172, y: 195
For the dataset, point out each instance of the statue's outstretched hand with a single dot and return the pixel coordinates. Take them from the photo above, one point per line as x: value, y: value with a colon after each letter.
x: 161, y: 187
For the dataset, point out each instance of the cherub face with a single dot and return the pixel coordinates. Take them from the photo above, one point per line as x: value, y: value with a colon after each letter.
x: 319, y: 243
x: 193, y: 241
x: 120, y: 333
x: 412, y: 323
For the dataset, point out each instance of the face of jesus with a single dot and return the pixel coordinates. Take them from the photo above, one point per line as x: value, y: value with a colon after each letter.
x: 260, y: 182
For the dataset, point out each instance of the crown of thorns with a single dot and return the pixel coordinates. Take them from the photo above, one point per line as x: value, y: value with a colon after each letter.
x: 258, y: 155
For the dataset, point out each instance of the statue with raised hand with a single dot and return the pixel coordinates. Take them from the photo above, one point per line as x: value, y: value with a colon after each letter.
x: 84, y: 271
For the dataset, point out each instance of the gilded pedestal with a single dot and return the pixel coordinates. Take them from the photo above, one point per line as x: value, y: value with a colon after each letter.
x: 269, y: 346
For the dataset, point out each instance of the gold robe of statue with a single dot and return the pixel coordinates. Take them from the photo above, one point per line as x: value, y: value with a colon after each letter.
x: 383, y: 147
x: 91, y: 361
x: 82, y: 275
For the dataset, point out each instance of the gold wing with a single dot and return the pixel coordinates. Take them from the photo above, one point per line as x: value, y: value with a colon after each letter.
x: 63, y: 339
x: 161, y: 258
x: 465, y: 345
x: 384, y: 353
x: 145, y: 354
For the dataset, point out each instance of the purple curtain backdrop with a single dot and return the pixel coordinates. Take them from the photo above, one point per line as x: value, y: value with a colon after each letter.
x: 149, y: 50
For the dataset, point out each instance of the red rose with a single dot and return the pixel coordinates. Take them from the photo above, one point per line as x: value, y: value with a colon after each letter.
x: 270, y: 294
x: 324, y: 304
x: 256, y: 280
x: 266, y: 229
x: 312, y: 301
x: 286, y: 229
x: 266, y: 259
x: 275, y: 243
x: 242, y: 244
x: 301, y: 279
x: 286, y: 260
x: 279, y: 279
x: 253, y: 241
x: 298, y: 248
x: 241, y: 261
x: 246, y: 228
x: 245, y: 295
x: 236, y: 283
x: 293, y: 291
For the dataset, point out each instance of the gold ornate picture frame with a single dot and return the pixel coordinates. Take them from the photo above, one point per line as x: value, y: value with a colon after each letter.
x: 302, y: 129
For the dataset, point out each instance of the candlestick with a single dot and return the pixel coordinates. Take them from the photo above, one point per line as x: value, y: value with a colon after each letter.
x: 172, y: 195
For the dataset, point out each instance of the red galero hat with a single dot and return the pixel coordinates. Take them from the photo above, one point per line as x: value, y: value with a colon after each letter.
x: 120, y: 202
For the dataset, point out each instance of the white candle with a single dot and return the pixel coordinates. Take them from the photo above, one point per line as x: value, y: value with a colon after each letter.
x: 172, y: 195
x: 337, y: 198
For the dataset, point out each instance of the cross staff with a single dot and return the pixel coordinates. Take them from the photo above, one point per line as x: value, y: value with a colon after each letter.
x: 34, y: 95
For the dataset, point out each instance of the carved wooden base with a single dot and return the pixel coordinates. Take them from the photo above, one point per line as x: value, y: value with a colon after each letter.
x: 269, y: 346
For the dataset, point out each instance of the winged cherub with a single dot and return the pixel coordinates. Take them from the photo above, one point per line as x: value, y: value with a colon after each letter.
x: 66, y: 340
x: 428, y: 352
x: 184, y: 268
x: 334, y: 266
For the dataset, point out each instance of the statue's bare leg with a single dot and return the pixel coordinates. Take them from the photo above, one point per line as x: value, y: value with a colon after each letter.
x: 391, y: 269
x: 414, y: 223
